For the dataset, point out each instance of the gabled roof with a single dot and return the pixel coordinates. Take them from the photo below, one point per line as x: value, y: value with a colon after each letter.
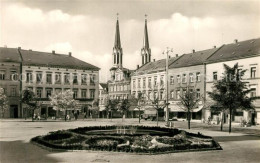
x: 192, y: 59
x: 237, y: 50
x: 103, y: 85
x: 35, y: 58
x: 10, y: 55
x: 156, y: 66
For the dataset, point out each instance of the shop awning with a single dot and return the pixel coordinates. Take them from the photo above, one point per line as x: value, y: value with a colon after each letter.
x: 177, y: 108
x: 102, y: 108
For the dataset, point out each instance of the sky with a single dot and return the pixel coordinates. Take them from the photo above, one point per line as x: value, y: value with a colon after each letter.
x: 87, y: 27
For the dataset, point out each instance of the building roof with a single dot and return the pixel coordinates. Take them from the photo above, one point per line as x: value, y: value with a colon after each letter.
x: 103, y: 85
x: 155, y: 66
x: 236, y: 50
x: 35, y: 58
x: 9, y: 55
x: 192, y: 59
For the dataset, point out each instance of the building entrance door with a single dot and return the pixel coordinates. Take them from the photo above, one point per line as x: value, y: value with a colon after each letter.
x: 13, y: 111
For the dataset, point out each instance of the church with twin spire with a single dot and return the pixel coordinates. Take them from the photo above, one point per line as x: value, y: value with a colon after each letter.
x: 119, y: 85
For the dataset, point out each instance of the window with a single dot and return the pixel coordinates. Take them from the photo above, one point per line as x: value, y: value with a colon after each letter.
x: 139, y: 83
x: 92, y: 79
x: 184, y: 91
x: 253, y: 92
x: 253, y: 72
x: 144, y: 82
x: 155, y: 95
x: 171, y: 79
x: 198, y: 76
x: 57, y: 78
x: 161, y: 95
x: 184, y: 78
x: 162, y: 80
x: 198, y: 93
x: 48, y: 92
x: 39, y: 77
x: 58, y: 90
x: 215, y: 75
x: 150, y: 95
x: 67, y: 78
x: 28, y: 77
x: 2, y: 74
x: 75, y: 93
x: 75, y: 79
x: 92, y: 93
x: 155, y: 81
x: 178, y: 94
x: 39, y: 92
x: 13, y: 91
x: 149, y: 82
x: 134, y: 94
x: 83, y: 93
x: 83, y: 78
x: 191, y: 77
x: 49, y: 78
x: 172, y: 94
x: 14, y: 75
x: 178, y: 79
x: 134, y: 84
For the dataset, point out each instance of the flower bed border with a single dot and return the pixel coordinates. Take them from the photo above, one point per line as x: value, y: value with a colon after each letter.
x: 173, y: 149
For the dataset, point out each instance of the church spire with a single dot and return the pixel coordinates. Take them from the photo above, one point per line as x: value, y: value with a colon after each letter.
x: 146, y: 40
x: 146, y: 51
x: 117, y: 49
x: 117, y: 37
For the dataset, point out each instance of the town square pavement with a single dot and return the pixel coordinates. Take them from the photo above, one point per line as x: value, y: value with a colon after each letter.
x: 241, y: 146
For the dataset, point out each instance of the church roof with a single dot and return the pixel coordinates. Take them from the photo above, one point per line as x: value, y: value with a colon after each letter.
x: 146, y: 39
x: 117, y: 36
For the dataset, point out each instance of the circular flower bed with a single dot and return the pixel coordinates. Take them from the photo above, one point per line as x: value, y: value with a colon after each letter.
x: 138, y: 139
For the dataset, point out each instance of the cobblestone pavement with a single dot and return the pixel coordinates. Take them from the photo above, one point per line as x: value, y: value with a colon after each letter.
x: 242, y: 145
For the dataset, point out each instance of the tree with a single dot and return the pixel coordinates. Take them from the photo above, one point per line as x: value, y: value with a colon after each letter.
x: 3, y: 102
x: 62, y: 101
x: 31, y: 101
x: 157, y: 103
x: 95, y: 107
x: 124, y: 105
x: 231, y: 92
x: 111, y: 105
x: 188, y: 102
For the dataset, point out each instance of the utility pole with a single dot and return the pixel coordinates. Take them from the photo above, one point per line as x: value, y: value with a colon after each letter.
x: 167, y: 67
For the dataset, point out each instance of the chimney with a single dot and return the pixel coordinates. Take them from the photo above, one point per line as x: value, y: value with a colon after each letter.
x: 137, y: 67
x: 169, y: 56
x: 193, y: 50
x: 19, y: 48
x: 53, y: 52
x: 235, y: 41
x: 176, y: 55
x: 70, y: 54
x: 153, y: 60
x: 214, y: 46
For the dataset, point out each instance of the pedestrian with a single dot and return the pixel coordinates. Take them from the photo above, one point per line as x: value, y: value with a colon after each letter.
x: 85, y: 115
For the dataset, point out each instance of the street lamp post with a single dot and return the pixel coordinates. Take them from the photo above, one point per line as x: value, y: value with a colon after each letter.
x: 166, y: 67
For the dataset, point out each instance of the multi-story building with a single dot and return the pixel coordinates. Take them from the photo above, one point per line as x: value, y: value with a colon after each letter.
x: 247, y: 55
x: 49, y: 73
x: 10, y: 70
x: 188, y: 74
x: 119, y: 85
